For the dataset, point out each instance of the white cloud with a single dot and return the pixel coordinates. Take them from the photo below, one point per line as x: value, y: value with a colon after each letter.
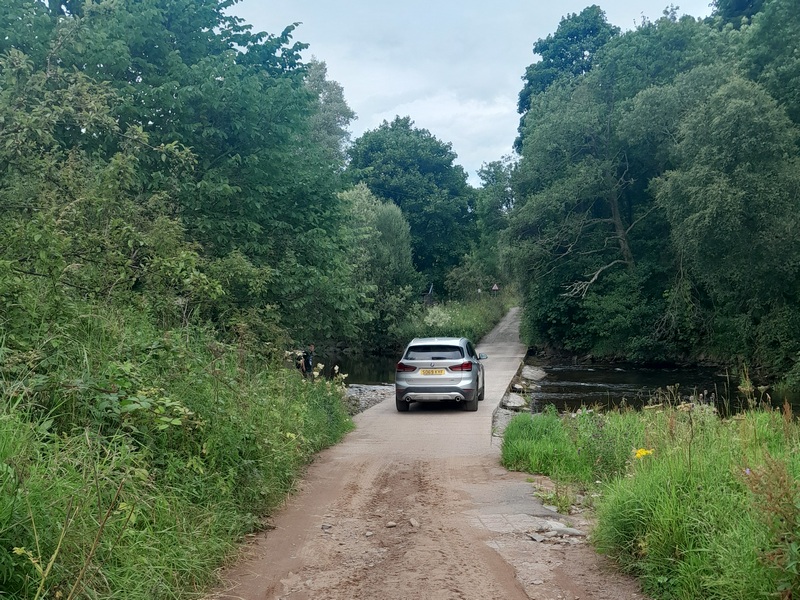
x: 471, y: 125
x: 454, y: 67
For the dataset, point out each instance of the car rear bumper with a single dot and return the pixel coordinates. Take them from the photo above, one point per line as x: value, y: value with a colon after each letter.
x: 434, y: 394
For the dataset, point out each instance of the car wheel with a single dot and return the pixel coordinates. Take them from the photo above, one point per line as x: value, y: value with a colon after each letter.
x: 402, y: 405
x: 471, y: 405
x: 482, y: 393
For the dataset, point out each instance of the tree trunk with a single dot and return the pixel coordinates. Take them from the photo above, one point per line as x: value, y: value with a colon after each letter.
x: 619, y: 229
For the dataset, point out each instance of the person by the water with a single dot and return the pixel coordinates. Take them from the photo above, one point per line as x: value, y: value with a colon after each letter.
x: 307, y: 366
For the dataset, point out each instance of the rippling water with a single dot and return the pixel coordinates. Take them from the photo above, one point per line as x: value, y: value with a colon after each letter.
x: 569, y: 387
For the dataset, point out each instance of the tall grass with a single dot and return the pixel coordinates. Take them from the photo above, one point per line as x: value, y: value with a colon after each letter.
x: 694, y: 505
x: 542, y: 445
x: 472, y: 319
x: 132, y: 461
x: 579, y: 449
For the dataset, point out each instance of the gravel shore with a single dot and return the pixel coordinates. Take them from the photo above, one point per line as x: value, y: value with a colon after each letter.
x: 360, y: 397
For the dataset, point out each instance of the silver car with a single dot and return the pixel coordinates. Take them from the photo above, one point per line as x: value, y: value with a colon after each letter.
x: 437, y: 370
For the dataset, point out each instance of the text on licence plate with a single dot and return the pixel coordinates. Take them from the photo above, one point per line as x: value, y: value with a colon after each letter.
x: 431, y: 371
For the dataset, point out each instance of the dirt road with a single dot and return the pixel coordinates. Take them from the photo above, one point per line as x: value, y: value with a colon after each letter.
x: 415, y: 506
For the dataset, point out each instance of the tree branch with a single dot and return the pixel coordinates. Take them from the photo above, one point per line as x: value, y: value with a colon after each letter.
x: 644, y: 216
x: 579, y: 288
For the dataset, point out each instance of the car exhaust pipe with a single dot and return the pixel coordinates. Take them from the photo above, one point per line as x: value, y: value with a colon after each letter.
x: 459, y: 398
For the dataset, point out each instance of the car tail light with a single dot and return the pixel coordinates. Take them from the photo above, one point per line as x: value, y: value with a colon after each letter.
x: 465, y: 366
x: 404, y: 368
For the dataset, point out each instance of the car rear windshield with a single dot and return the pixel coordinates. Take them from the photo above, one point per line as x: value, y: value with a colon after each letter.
x: 431, y: 352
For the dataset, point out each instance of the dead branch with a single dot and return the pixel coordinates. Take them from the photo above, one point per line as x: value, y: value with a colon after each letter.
x: 644, y: 216
x: 579, y: 288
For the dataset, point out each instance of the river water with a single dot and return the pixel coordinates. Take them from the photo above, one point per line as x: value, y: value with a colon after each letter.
x: 570, y: 387
x: 368, y: 370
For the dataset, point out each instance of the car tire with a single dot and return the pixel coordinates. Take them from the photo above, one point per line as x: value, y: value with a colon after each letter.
x: 482, y: 393
x: 471, y: 405
x: 402, y: 405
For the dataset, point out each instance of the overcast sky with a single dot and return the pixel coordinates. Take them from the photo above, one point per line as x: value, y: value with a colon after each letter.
x: 454, y: 67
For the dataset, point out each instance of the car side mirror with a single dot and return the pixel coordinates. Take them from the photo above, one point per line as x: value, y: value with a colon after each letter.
x: 482, y: 356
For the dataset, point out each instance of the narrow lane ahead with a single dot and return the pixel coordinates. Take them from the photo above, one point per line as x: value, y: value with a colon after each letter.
x: 382, y: 515
x: 415, y: 506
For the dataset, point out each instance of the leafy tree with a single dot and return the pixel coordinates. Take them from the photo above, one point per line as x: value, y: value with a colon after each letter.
x: 328, y: 125
x: 770, y: 55
x: 496, y: 198
x: 180, y: 78
x: 482, y: 268
x: 650, y: 128
x: 585, y: 236
x: 380, y: 247
x: 653, y: 191
x: 658, y: 51
x: 416, y: 171
x: 733, y: 199
x: 570, y: 52
x: 733, y: 11
x: 588, y: 188
x: 652, y: 119
x: 27, y: 27
x: 258, y: 191
x: 76, y: 227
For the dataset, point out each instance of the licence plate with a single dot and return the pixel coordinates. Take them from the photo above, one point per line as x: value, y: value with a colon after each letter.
x: 431, y: 371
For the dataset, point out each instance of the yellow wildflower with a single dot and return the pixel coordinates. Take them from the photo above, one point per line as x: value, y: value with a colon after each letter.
x: 641, y: 452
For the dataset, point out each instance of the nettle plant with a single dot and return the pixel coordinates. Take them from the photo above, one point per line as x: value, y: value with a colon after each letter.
x: 125, y: 398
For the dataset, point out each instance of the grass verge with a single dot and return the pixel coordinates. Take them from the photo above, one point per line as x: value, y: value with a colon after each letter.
x: 473, y: 319
x: 693, y: 505
x: 133, y: 461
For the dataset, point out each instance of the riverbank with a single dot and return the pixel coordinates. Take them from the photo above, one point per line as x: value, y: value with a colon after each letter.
x: 694, y: 505
x: 360, y: 397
